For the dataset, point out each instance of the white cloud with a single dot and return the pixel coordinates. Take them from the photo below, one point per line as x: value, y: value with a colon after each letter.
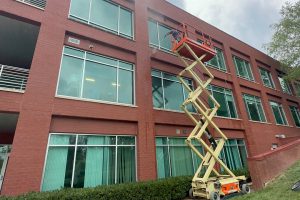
x: 248, y: 20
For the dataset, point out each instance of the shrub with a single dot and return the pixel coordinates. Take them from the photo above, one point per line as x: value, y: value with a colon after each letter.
x: 163, y: 189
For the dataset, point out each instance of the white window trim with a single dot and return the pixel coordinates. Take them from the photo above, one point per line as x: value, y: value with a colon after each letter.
x: 101, y: 27
x: 75, y: 145
x: 94, y: 100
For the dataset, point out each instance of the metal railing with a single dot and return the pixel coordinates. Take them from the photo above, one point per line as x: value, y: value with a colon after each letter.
x: 13, y: 78
x: 41, y: 4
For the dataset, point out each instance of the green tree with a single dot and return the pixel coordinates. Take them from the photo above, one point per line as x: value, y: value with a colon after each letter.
x: 285, y: 44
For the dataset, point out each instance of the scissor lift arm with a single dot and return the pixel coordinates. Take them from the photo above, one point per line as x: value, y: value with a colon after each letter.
x: 193, y: 55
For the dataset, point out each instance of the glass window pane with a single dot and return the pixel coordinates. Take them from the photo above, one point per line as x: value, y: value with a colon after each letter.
x: 282, y: 115
x: 79, y: 173
x: 165, y: 42
x: 105, y: 14
x: 254, y: 115
x: 125, y: 22
x: 99, y: 166
x: 277, y: 115
x: 125, y: 65
x: 220, y: 97
x: 58, y: 168
x: 156, y: 73
x: 125, y: 87
x: 126, y: 164
x: 74, y: 52
x: 161, y: 140
x: 122, y: 140
x: 295, y: 115
x: 70, y: 77
x: 249, y: 72
x: 240, y: 67
x: 181, y: 161
x: 96, y: 140
x: 173, y: 95
x: 261, y: 112
x: 152, y: 30
x: 157, y: 93
x: 100, y: 82
x: 162, y: 161
x: 80, y: 9
x: 177, y: 141
x: 62, y: 139
x: 102, y: 59
x: 231, y: 106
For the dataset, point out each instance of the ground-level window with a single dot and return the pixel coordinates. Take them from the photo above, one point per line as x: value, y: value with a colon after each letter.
x: 225, y: 98
x: 254, y: 108
x: 296, y: 115
x: 167, y: 92
x: 86, y: 75
x: 78, y: 161
x: 234, y: 154
x: 279, y: 113
x: 175, y: 158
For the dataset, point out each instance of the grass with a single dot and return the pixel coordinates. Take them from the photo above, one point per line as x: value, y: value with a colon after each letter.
x: 279, y: 189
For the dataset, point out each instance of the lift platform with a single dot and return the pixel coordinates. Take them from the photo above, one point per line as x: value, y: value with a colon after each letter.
x: 207, y: 182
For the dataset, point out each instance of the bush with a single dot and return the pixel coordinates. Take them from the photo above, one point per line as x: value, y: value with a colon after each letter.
x: 163, y: 189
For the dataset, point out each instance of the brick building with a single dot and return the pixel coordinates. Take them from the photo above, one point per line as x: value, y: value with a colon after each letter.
x: 89, y: 95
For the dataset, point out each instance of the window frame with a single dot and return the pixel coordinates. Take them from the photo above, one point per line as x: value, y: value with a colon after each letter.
x: 101, y: 27
x: 246, y: 64
x: 106, y: 64
x: 224, y: 61
x: 176, y: 145
x: 162, y: 78
x: 269, y: 75
x: 157, y: 23
x: 75, y: 150
x: 287, y: 85
x: 281, y: 112
x: 222, y: 153
x: 255, y: 100
x: 225, y: 92
x: 295, y: 109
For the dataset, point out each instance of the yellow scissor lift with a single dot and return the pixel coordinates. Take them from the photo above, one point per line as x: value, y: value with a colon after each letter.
x: 205, y: 185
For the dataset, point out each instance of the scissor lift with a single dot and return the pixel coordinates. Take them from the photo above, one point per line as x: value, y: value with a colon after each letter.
x: 210, y: 184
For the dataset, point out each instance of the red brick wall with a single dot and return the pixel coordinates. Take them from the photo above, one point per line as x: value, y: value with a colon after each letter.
x: 40, y: 112
x: 267, y: 166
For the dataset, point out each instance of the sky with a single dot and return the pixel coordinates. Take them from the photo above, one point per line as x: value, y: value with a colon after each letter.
x: 247, y: 20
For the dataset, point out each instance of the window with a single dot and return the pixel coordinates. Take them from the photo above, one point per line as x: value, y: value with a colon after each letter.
x: 284, y: 85
x: 225, y: 98
x: 278, y: 112
x: 243, y: 68
x: 88, y: 160
x: 104, y: 15
x: 90, y: 76
x: 167, y: 92
x: 234, y: 154
x: 157, y: 35
x: 175, y: 158
x: 266, y: 78
x: 297, y: 88
x: 218, y: 61
x: 254, y: 108
x: 296, y: 115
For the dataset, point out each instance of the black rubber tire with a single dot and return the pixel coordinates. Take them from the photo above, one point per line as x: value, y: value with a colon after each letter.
x: 296, y: 186
x: 245, y: 189
x: 215, y: 196
x: 191, y: 195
